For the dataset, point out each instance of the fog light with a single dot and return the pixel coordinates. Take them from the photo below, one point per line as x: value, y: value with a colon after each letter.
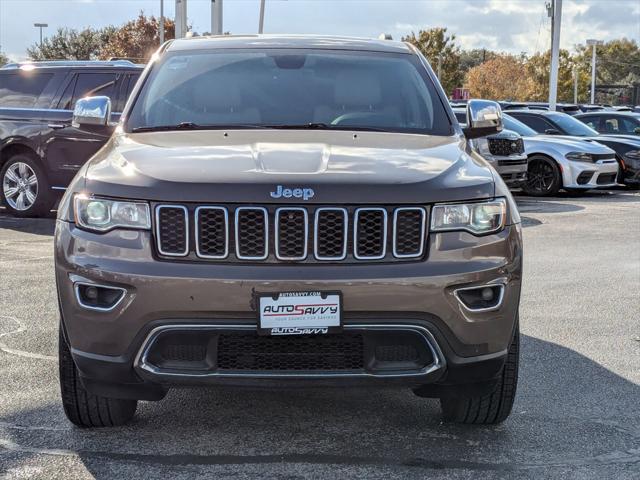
x: 98, y: 297
x: 487, y: 294
x: 482, y: 298
x: 91, y: 293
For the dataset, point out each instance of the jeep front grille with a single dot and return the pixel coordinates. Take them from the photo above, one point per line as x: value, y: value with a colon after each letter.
x: 278, y: 234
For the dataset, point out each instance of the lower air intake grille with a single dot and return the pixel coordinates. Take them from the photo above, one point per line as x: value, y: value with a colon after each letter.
x: 239, y: 351
x: 605, y: 178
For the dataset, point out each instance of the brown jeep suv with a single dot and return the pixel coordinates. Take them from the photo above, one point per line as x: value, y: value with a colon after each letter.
x: 280, y: 210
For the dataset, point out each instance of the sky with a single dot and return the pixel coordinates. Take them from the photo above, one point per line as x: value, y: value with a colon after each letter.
x: 512, y: 26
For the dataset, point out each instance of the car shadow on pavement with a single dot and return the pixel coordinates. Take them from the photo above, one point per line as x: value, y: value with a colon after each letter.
x: 570, y: 412
x: 36, y: 226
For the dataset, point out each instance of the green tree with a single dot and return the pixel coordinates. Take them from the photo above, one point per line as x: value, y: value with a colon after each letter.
x: 3, y: 59
x: 618, y: 61
x: 473, y: 58
x: 137, y: 39
x: 70, y: 44
x: 538, y: 68
x: 437, y: 46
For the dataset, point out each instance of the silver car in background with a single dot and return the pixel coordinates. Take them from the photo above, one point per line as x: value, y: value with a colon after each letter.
x: 557, y: 161
x: 504, y: 151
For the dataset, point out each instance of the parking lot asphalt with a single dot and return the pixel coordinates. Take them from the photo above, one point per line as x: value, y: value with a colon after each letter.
x: 577, y: 413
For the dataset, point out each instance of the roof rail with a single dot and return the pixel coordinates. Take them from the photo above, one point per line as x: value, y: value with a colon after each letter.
x: 67, y: 63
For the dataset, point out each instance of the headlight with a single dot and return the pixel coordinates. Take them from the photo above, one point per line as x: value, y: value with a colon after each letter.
x: 633, y: 155
x: 579, y: 157
x: 481, y: 145
x: 478, y: 218
x: 101, y: 215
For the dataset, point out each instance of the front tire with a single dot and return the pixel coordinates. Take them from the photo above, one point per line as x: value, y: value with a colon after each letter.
x: 543, y: 177
x: 24, y: 188
x: 491, y: 408
x: 81, y: 407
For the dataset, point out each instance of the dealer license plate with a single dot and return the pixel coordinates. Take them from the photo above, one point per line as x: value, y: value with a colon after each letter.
x: 299, y: 313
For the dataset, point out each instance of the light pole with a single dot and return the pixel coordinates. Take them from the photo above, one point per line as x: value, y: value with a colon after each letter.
x: 216, y: 17
x: 161, y: 22
x: 41, y: 26
x: 594, y: 44
x: 555, y: 9
x: 261, y: 24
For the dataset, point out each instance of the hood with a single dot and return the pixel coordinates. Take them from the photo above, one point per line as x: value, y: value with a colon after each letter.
x: 508, y: 134
x: 631, y: 140
x: 247, y: 165
x: 566, y: 143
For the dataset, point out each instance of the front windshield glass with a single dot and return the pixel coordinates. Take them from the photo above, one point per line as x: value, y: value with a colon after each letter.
x: 572, y: 126
x: 328, y: 89
x: 517, y: 126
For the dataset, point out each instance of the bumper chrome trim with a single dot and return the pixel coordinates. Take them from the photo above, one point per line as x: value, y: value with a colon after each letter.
x: 476, y: 287
x: 141, y: 363
x: 98, y: 309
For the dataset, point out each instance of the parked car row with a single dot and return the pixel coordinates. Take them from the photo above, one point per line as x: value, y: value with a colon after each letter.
x: 574, y: 152
x: 41, y: 149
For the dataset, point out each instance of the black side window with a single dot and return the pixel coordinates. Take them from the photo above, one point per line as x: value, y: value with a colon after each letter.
x: 90, y: 85
x: 537, y: 123
x: 125, y: 90
x: 592, y: 121
x: 22, y: 90
x: 133, y: 79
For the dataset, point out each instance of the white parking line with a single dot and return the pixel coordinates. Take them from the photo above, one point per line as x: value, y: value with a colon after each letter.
x: 21, y: 353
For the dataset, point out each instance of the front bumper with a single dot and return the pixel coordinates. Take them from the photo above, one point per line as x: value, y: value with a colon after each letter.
x: 108, y: 346
x: 601, y: 174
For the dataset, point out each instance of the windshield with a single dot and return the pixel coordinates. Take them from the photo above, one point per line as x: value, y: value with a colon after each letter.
x: 571, y: 126
x: 511, y: 123
x: 296, y: 88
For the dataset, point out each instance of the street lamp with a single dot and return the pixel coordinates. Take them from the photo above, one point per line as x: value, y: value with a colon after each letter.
x: 594, y: 44
x: 261, y: 22
x: 41, y: 26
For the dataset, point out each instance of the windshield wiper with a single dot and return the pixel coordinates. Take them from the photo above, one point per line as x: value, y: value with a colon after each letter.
x: 293, y: 126
x: 163, y: 128
x: 323, y: 126
x: 192, y: 126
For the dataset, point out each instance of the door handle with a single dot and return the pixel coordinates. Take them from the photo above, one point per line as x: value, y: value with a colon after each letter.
x: 56, y: 126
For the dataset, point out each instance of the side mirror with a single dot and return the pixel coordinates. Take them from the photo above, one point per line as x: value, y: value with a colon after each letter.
x: 484, y: 117
x: 92, y: 111
x: 636, y: 130
x: 552, y: 131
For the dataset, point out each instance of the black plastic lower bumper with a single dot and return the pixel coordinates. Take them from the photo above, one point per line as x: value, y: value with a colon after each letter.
x: 146, y: 375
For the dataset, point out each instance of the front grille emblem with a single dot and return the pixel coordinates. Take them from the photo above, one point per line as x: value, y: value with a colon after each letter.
x: 298, y: 192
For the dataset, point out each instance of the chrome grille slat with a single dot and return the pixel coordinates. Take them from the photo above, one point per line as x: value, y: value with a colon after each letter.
x: 172, y: 235
x: 250, y: 238
x: 202, y: 232
x: 319, y: 249
x: 364, y: 234
x: 405, y: 231
x: 338, y: 234
x: 284, y: 239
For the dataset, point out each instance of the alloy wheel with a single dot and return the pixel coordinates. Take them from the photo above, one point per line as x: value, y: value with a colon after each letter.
x: 540, y: 176
x: 20, y: 186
